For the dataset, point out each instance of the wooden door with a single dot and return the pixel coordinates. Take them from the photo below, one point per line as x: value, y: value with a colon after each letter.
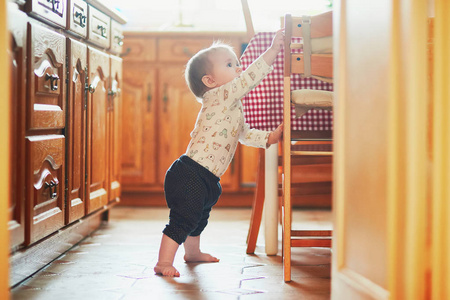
x: 46, y: 59
x: 178, y: 112
x: 97, y: 132
x: 16, y: 58
x: 382, y: 163
x: 139, y: 140
x: 76, y: 131
x: 114, y: 122
x: 44, y: 146
x: 44, y: 185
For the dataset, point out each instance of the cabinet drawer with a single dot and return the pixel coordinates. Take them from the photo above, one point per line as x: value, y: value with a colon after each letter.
x: 77, y: 17
x: 139, y: 49
x: 99, y: 28
x: 180, y: 50
x: 46, y: 89
x: 116, y: 37
x: 53, y: 11
x: 44, y: 185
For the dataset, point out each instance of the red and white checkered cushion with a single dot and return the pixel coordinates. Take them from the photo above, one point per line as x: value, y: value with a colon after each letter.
x: 263, y: 106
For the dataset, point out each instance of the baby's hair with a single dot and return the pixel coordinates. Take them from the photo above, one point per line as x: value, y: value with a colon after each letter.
x: 199, y: 65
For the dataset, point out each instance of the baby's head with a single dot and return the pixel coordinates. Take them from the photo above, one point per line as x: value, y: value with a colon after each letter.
x: 211, y: 67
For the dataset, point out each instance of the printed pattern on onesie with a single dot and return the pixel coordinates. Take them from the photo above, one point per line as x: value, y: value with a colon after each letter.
x: 221, y: 125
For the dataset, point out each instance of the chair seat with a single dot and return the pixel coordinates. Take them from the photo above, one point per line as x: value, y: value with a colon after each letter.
x: 325, y: 148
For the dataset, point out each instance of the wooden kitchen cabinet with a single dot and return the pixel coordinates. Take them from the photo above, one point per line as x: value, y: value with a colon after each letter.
x: 159, y: 113
x: 45, y: 89
x: 115, y: 129
x: 45, y: 141
x: 138, y: 126
x: 44, y: 185
x: 76, y: 131
x: 65, y: 95
x: 177, y: 112
x: 97, y: 131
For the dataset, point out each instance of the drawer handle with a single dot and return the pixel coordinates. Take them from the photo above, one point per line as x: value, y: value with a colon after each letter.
x: 119, y: 40
x: 55, y: 3
x: 149, y: 97
x: 79, y: 15
x: 102, y: 30
x: 165, y: 97
x: 187, y: 52
x: 53, y: 186
x: 93, y: 85
x: 53, y: 81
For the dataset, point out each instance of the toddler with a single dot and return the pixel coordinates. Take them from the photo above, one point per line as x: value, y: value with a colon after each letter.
x: 191, y: 185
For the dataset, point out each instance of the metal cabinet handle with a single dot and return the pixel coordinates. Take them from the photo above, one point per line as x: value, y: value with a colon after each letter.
x: 55, y: 3
x: 91, y: 88
x: 53, y: 187
x: 165, y: 98
x: 53, y: 81
x: 119, y: 40
x: 187, y: 52
x: 79, y: 15
x: 149, y: 97
x: 102, y: 30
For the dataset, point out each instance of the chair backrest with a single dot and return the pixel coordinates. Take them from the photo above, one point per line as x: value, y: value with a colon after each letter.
x: 316, y: 59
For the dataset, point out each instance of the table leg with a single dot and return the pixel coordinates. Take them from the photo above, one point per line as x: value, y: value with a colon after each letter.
x: 271, y: 201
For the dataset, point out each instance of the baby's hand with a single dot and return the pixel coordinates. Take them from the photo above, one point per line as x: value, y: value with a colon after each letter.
x: 278, y: 41
x: 275, y: 136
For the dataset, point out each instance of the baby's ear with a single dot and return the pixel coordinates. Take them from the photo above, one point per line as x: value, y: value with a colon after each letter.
x: 209, y: 81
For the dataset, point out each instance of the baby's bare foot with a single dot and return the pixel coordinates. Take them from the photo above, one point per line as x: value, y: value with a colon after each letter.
x: 166, y: 270
x: 200, y: 257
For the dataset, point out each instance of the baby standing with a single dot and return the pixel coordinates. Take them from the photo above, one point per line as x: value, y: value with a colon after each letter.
x: 192, y: 183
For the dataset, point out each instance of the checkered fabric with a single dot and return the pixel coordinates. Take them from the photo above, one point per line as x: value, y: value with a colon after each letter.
x: 263, y: 106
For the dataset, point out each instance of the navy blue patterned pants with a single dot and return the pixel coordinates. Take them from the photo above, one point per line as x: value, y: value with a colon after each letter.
x: 191, y: 191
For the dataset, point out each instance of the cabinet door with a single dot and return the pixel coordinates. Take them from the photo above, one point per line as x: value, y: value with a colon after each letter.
x: 16, y: 58
x: 114, y: 122
x: 97, y: 136
x: 76, y: 131
x: 44, y: 185
x: 139, y: 141
x: 46, y: 58
x: 178, y: 110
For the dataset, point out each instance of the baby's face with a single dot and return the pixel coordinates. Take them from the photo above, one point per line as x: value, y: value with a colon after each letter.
x: 226, y: 66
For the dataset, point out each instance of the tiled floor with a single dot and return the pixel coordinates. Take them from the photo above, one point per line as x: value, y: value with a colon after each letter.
x: 117, y: 262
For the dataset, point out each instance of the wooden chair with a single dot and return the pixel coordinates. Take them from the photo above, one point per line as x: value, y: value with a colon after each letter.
x: 313, y: 62
x: 313, y: 147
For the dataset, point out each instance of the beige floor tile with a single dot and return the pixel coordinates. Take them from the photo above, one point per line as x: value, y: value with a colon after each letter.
x: 117, y: 261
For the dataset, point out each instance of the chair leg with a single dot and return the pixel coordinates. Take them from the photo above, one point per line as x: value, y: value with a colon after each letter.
x: 258, y: 205
x: 287, y: 217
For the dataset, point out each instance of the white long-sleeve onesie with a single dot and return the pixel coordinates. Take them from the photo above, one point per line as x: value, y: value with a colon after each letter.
x: 221, y: 125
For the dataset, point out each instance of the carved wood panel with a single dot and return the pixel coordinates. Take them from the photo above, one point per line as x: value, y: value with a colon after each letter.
x: 76, y: 131
x: 114, y: 125
x: 46, y: 93
x: 139, y: 125
x: 45, y: 185
x: 97, y: 134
